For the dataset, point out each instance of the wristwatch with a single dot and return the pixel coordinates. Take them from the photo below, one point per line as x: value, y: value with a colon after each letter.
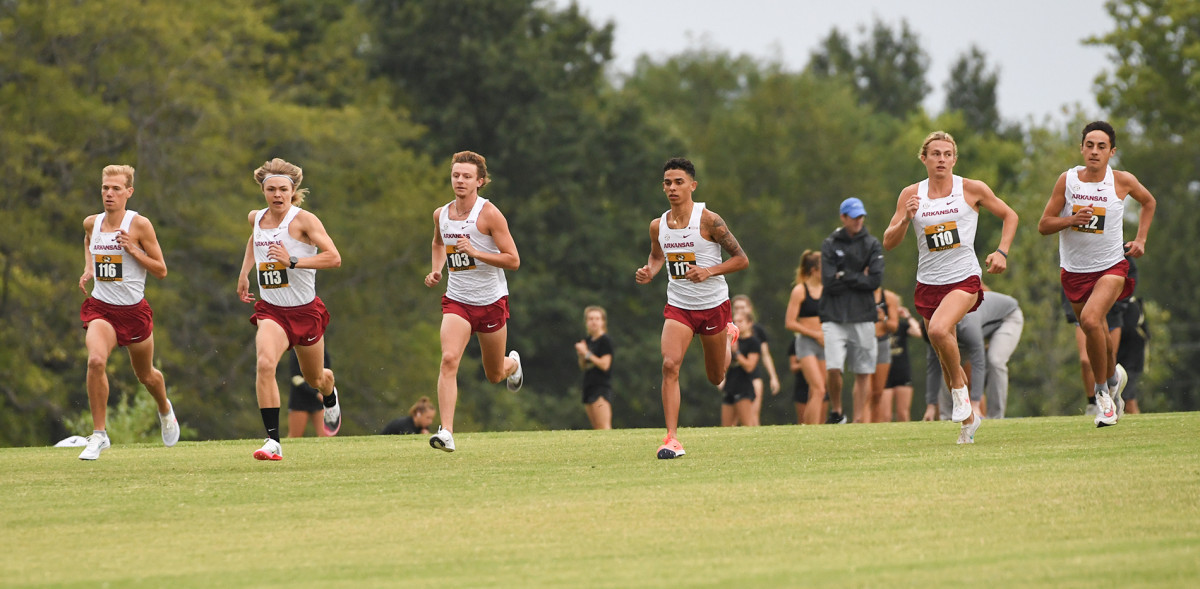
x: 293, y: 260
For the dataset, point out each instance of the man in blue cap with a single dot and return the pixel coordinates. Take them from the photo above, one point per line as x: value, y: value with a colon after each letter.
x: 851, y: 270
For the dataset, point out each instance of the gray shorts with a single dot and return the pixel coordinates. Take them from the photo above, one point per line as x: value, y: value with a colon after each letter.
x: 807, y: 346
x: 883, y: 351
x: 850, y: 341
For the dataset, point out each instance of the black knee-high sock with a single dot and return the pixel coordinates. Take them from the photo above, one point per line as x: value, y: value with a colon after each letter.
x: 331, y: 398
x: 270, y: 417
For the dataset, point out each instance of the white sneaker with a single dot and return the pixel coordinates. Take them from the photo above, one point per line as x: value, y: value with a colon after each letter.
x: 271, y: 450
x: 95, y: 443
x: 1107, y: 410
x: 962, y: 405
x: 170, y: 426
x: 518, y: 378
x: 442, y: 440
x: 966, y: 434
x: 333, y: 415
x: 1122, y: 380
x: 1091, y: 410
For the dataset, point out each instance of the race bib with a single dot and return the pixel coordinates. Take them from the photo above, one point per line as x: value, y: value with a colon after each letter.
x: 458, y: 260
x: 272, y: 275
x: 108, y: 267
x: 943, y: 236
x: 1096, y: 225
x: 678, y: 263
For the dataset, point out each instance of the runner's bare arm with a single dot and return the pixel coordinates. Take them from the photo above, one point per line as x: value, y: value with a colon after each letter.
x: 906, y: 208
x: 656, y: 260
x: 313, y: 231
x: 1052, y: 220
x: 142, y: 243
x: 243, y: 283
x: 712, y: 224
x: 438, y: 254
x: 1137, y: 247
x: 492, y: 222
x: 87, y: 275
x: 997, y: 261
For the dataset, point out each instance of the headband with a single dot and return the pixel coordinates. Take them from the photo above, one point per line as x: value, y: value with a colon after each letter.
x: 269, y: 176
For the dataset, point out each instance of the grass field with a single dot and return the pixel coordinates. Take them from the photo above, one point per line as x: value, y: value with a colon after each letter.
x: 1050, y: 502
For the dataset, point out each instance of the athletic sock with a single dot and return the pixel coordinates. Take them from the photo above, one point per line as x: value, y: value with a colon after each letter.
x: 270, y: 417
x: 1101, y: 387
x: 331, y: 398
x: 99, y: 432
x: 1113, y: 381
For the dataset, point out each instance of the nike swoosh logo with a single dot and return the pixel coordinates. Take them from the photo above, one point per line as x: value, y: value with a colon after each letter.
x: 312, y: 339
x: 135, y: 338
x: 493, y: 325
x: 685, y: 236
x: 711, y: 327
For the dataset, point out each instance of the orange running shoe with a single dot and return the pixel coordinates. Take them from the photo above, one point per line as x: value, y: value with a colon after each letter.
x: 733, y: 330
x: 671, y: 448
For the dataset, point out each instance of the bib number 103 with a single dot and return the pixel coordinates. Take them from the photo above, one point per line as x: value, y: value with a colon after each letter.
x: 458, y: 260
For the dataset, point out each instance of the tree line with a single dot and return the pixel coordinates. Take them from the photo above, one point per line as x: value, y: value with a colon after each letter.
x: 371, y: 97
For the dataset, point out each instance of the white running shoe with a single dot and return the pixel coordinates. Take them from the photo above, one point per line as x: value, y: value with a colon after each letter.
x: 1122, y: 380
x: 1091, y: 410
x: 966, y: 434
x: 333, y: 415
x: 170, y: 426
x: 517, y: 379
x: 95, y: 443
x: 442, y: 440
x: 962, y: 405
x: 271, y: 450
x: 1107, y: 410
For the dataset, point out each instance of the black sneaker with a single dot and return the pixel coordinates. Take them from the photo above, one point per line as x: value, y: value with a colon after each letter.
x: 835, y: 418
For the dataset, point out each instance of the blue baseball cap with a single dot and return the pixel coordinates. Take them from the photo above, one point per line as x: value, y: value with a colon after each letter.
x: 853, y: 208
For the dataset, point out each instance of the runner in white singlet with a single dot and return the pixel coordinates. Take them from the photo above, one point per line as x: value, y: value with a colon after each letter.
x: 1086, y: 209
x: 943, y: 210
x: 120, y: 248
x: 688, y: 240
x: 472, y: 242
x: 287, y: 246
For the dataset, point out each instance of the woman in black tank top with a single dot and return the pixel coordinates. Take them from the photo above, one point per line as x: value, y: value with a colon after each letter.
x: 803, y: 319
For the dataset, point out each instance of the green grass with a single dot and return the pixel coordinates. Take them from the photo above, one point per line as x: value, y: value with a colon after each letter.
x: 1050, y: 502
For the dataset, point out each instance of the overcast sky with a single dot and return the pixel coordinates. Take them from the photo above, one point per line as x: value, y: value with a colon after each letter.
x: 1036, y: 44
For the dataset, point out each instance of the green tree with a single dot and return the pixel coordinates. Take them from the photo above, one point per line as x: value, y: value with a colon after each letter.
x: 887, y: 68
x: 971, y: 89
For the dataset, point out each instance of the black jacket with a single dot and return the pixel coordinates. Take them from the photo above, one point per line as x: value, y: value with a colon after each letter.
x: 849, y: 291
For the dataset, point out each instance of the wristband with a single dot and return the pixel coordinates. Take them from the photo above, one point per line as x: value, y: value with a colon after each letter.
x: 1002, y: 252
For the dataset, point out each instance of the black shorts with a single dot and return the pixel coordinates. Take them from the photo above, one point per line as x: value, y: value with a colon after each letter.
x: 800, y: 389
x: 732, y: 397
x: 591, y: 395
x: 304, y: 399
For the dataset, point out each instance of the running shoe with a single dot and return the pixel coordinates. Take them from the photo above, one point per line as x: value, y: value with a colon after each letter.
x: 1122, y: 380
x: 671, y: 448
x: 1091, y: 410
x: 962, y: 405
x: 333, y: 415
x: 170, y: 426
x: 966, y: 434
x: 271, y: 450
x: 516, y: 380
x: 95, y: 443
x: 442, y: 440
x: 835, y: 418
x: 1107, y: 410
x: 733, y: 330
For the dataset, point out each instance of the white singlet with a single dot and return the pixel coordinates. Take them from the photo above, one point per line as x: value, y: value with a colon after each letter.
x: 1100, y: 245
x: 683, y: 247
x: 945, y: 229
x: 277, y: 284
x: 119, y: 278
x: 470, y: 281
